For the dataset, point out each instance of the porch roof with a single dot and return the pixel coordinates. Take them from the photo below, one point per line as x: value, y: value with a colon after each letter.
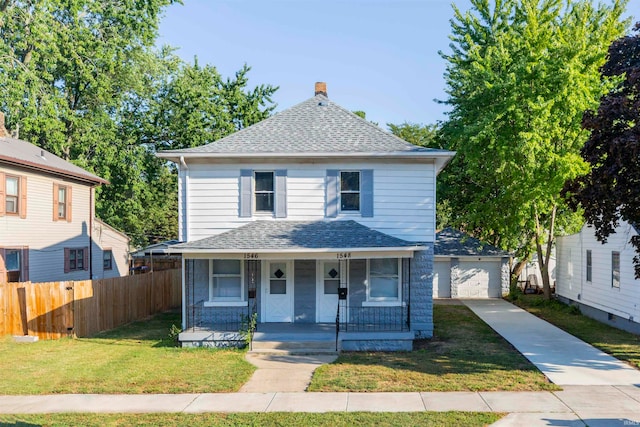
x: 298, y: 236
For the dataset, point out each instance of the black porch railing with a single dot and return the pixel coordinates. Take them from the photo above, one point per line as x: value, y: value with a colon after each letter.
x: 373, y: 319
x: 201, y: 317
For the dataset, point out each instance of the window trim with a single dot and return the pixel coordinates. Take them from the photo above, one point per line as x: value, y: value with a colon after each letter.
x: 341, y: 192
x: 68, y: 194
x: 255, y: 193
x: 589, y: 264
x: 105, y: 252
x: 615, y: 262
x: 218, y: 302
x: 383, y: 301
x: 67, y: 259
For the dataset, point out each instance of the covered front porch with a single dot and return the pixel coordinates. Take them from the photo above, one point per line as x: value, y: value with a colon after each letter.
x: 353, y: 295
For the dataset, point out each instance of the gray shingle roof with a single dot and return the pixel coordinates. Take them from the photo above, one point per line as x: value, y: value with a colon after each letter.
x: 450, y: 242
x: 296, y: 235
x: 26, y: 154
x: 315, y: 126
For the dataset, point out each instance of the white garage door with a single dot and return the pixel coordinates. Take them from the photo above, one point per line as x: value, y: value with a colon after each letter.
x: 479, y: 279
x: 442, y: 279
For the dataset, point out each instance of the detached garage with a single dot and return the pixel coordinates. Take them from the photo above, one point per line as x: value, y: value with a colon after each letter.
x: 465, y: 267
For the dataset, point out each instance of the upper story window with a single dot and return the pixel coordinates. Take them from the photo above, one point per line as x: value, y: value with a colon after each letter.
x: 12, y: 194
x: 264, y: 191
x: 61, y: 202
x: 350, y: 191
x: 615, y: 269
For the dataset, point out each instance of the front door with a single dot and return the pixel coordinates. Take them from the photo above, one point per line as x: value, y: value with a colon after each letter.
x: 278, y: 291
x: 327, y: 284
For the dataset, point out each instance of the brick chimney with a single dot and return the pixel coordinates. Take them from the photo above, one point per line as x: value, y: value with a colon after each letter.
x: 321, y: 88
x: 3, y: 130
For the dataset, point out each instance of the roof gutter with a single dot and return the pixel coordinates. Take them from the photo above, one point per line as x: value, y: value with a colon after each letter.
x: 177, y: 249
x: 179, y: 157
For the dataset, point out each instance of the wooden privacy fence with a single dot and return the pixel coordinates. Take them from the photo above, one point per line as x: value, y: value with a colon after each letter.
x: 82, y: 308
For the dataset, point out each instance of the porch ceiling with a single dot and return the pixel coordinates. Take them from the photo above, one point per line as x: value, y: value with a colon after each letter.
x: 299, y: 237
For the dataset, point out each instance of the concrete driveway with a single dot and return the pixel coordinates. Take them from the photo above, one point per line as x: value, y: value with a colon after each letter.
x: 563, y: 358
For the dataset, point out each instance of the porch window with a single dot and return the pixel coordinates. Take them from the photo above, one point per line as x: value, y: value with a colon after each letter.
x: 384, y: 280
x: 225, y: 283
x: 331, y: 278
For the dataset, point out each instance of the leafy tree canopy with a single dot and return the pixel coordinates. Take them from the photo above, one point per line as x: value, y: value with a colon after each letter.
x: 611, y: 190
x: 82, y: 79
x: 520, y: 74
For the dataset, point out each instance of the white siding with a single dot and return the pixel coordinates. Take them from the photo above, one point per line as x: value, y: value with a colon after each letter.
x: 104, y: 238
x: 404, y: 198
x: 572, y: 283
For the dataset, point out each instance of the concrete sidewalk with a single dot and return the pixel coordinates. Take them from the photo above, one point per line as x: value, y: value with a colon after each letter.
x: 563, y: 358
x: 576, y: 405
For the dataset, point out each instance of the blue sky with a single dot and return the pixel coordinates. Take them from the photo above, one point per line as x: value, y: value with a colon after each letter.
x: 379, y: 56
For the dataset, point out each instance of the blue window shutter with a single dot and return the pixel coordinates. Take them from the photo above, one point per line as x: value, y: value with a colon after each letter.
x: 331, y: 194
x: 245, y: 193
x: 281, y: 193
x: 366, y: 195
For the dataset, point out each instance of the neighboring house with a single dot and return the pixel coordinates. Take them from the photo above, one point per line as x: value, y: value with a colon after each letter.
x: 308, y: 211
x: 600, y: 278
x: 48, y: 231
x: 530, y: 276
x: 465, y: 267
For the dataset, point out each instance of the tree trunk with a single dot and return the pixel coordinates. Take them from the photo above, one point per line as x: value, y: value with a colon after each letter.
x: 543, y: 258
x: 515, y: 273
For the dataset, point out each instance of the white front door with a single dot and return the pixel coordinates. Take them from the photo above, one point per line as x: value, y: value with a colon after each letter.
x: 278, y: 291
x: 327, y: 283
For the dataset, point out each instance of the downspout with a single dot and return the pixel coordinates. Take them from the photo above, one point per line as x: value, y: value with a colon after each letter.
x: 91, y: 193
x: 184, y: 237
x: 185, y: 195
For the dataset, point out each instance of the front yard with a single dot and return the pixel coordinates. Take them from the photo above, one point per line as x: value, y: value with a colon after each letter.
x: 137, y: 358
x: 464, y: 355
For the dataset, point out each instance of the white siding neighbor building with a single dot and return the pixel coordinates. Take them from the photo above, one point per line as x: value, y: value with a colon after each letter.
x: 313, y: 216
x: 600, y: 278
x: 48, y: 231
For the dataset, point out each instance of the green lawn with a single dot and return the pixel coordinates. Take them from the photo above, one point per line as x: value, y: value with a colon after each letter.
x: 620, y: 344
x: 329, y: 419
x: 137, y: 358
x: 464, y: 355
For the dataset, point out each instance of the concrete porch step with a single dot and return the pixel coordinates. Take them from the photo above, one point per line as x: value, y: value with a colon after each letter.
x: 298, y: 351
x: 294, y: 347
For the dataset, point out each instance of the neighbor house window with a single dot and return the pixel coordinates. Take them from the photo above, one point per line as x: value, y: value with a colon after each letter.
x: 76, y: 259
x: 12, y: 264
x: 384, y: 280
x: 61, y: 202
x: 12, y: 194
x: 226, y: 280
x: 589, y: 265
x: 264, y: 191
x: 107, y: 260
x: 615, y: 269
x: 350, y: 191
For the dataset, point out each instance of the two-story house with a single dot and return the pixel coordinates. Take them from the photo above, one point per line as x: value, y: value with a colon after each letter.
x: 312, y: 216
x: 48, y: 231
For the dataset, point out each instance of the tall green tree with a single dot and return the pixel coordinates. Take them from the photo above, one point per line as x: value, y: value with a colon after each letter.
x: 417, y: 134
x: 611, y: 190
x: 82, y: 79
x: 520, y: 74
